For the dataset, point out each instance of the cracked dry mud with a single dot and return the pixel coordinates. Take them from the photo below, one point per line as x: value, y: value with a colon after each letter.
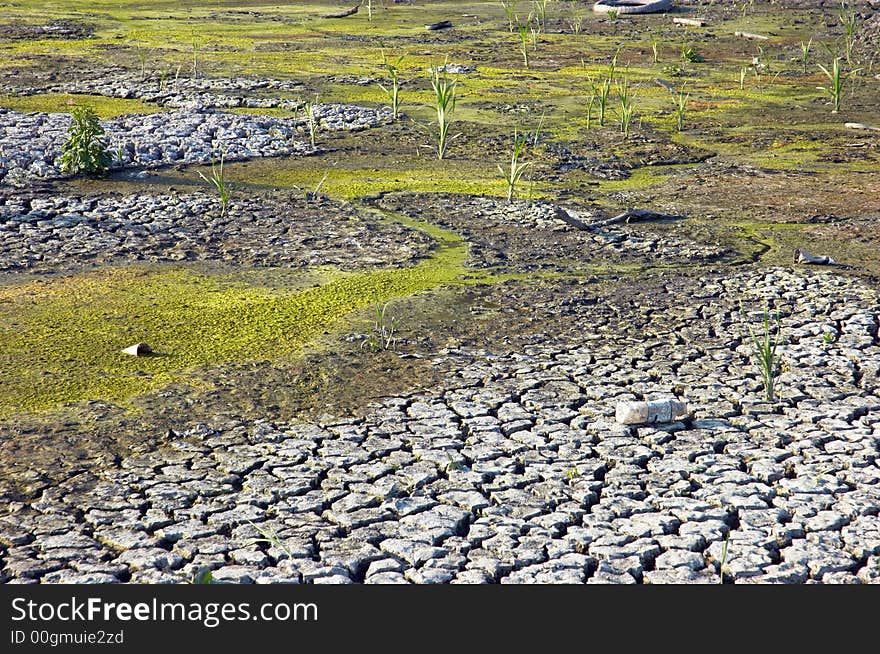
x: 513, y: 469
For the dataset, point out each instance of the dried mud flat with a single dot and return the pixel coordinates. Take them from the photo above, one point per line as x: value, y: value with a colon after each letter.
x: 480, y: 446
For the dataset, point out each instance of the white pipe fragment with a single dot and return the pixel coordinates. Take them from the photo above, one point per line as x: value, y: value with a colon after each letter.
x: 802, y: 256
x: 638, y: 413
x: 870, y: 128
x: 691, y: 22
x: 138, y: 350
x: 750, y: 35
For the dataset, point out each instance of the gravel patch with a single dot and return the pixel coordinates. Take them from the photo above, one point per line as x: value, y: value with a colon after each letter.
x: 57, y: 232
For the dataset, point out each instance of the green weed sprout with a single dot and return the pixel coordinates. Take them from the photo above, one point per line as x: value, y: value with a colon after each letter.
x: 523, y: 32
x: 722, y: 566
x: 590, y: 106
x: 655, y: 47
x: 836, y: 78
x: 270, y: 537
x: 384, y: 329
x: 576, y: 21
x: 510, y: 11
x: 517, y: 167
x: 444, y: 104
x: 218, y: 179
x: 540, y: 11
x: 691, y: 54
x: 393, y: 89
x: 764, y: 345
x: 849, y: 19
x: 681, y: 100
x: 601, y: 92
x: 805, y: 54
x: 311, y: 120
x: 627, y: 106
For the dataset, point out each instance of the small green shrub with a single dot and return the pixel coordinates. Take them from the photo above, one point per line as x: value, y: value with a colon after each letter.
x: 691, y: 54
x: 84, y: 151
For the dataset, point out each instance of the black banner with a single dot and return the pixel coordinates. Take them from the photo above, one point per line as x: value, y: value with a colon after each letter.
x: 228, y: 617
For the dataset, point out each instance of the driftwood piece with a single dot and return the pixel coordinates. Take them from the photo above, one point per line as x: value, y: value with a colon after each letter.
x: 640, y: 413
x: 342, y: 14
x: 634, y: 215
x: 690, y: 22
x: 442, y: 25
x: 574, y: 221
x: 861, y: 126
x: 628, y: 216
x: 749, y: 35
x: 800, y: 256
x: 666, y: 85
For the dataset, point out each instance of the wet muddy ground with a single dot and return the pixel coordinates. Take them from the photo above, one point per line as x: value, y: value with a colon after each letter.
x: 268, y: 314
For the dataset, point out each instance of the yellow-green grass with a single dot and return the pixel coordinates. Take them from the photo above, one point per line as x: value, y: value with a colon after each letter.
x: 103, y: 106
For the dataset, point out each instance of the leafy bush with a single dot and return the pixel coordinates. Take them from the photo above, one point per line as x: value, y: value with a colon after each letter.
x: 84, y: 151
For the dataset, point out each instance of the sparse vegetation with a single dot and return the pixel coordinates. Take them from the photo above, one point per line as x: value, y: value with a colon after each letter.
x: 358, y: 341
